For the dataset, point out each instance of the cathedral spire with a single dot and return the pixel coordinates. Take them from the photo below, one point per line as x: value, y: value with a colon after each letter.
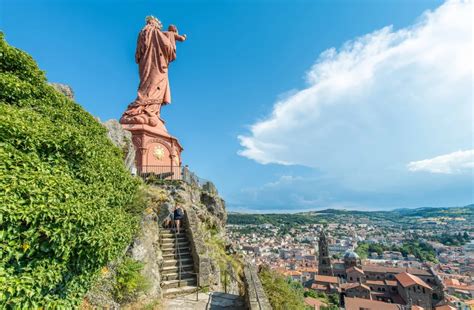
x: 324, y: 267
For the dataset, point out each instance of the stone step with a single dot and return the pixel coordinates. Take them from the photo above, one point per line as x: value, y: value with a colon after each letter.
x: 172, y: 269
x: 175, y: 262
x: 176, y: 283
x: 177, y: 291
x: 172, y: 232
x: 175, y: 276
x: 173, y: 240
x: 174, y: 250
x: 174, y: 245
x: 174, y: 255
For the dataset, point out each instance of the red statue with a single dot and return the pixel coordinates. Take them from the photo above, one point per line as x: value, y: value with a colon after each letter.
x: 156, y: 49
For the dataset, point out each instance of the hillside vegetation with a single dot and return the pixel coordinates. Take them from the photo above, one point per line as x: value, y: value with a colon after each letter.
x: 65, y: 196
x: 405, y: 216
x: 283, y: 293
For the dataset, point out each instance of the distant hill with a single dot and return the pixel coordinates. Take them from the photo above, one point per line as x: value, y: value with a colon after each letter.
x: 330, y: 215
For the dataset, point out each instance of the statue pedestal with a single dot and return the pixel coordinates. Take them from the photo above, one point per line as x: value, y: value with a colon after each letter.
x: 157, y: 152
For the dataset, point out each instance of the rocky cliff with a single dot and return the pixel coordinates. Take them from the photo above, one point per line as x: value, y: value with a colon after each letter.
x: 206, y: 218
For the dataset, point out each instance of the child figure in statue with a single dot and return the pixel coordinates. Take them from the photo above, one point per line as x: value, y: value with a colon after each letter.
x: 172, y: 30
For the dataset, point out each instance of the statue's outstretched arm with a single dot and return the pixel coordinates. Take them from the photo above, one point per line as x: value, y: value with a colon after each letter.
x: 180, y: 38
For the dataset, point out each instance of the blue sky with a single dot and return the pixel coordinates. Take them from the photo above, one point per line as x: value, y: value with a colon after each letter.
x: 285, y: 105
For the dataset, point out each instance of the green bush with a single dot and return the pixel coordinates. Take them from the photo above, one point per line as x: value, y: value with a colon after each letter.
x: 282, y: 293
x: 129, y: 280
x: 64, y: 191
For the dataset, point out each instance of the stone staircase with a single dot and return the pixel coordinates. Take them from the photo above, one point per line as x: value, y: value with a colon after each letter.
x: 170, y: 283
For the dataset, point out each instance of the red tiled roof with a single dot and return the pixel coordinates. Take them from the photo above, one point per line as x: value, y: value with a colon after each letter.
x: 352, y: 269
x: 395, y: 270
x: 357, y: 285
x: 292, y: 273
x: 445, y: 307
x: 391, y: 283
x: 375, y: 282
x: 452, y: 282
x: 407, y: 280
x: 346, y: 286
x: 358, y: 303
x: 325, y: 279
x: 319, y: 287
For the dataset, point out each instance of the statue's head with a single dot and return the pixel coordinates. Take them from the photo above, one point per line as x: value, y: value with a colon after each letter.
x: 172, y: 28
x: 150, y: 19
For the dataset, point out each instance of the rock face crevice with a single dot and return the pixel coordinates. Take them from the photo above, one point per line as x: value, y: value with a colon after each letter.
x: 146, y: 249
x: 123, y: 139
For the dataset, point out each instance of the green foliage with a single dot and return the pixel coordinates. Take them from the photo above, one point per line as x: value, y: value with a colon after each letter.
x: 421, y: 250
x: 311, y: 293
x: 225, y: 261
x: 63, y: 191
x: 282, y: 294
x: 331, y: 300
x: 453, y: 239
x: 129, y: 281
x: 274, y: 219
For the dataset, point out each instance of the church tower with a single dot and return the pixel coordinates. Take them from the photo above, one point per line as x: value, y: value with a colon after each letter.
x: 324, y: 267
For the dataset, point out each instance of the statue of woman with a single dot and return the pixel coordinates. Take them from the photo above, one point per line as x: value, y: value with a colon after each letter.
x: 156, y: 49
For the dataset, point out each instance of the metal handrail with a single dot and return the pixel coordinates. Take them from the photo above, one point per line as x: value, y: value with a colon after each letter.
x: 199, y: 287
x: 178, y: 252
x: 225, y: 279
x: 163, y: 172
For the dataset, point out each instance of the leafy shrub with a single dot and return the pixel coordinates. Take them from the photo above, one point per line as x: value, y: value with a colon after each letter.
x: 63, y: 191
x: 129, y: 280
x: 281, y: 292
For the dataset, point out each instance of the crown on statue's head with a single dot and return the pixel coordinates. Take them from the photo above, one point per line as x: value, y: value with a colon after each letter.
x: 153, y: 18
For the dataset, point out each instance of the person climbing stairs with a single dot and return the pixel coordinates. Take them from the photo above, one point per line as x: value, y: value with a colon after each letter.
x: 178, y: 276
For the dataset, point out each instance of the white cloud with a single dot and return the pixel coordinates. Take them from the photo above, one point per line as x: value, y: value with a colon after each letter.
x: 456, y: 162
x: 378, y: 102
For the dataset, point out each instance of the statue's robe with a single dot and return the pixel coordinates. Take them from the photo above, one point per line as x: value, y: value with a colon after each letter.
x: 155, y: 50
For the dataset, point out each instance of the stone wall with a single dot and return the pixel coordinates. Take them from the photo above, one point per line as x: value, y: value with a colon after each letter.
x: 255, y: 295
x: 202, y: 262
